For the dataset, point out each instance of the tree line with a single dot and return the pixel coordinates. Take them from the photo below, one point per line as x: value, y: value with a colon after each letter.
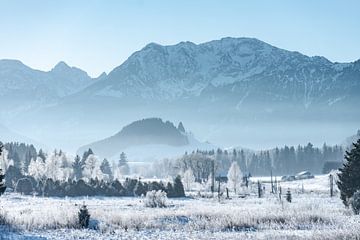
x: 56, y: 174
x: 287, y: 160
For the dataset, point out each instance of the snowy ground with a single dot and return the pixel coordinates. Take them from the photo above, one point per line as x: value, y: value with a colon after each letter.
x: 311, y: 215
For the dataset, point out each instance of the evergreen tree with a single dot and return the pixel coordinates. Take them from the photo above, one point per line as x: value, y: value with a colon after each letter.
x: 123, y: 164
x: 139, y: 189
x: 42, y: 155
x: 86, y: 155
x: 355, y: 202
x: 78, y: 167
x: 181, y: 127
x: 169, y: 190
x: 106, y: 169
x: 178, y: 187
x: 349, y: 180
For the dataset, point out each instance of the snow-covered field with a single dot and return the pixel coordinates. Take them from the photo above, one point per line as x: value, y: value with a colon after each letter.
x: 311, y: 215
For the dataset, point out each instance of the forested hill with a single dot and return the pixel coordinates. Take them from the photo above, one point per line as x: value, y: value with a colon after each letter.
x: 141, y: 132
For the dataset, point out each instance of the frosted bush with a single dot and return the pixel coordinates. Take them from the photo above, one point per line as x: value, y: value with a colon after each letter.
x: 355, y: 202
x: 155, y: 199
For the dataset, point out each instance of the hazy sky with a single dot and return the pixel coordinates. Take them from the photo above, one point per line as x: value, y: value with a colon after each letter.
x: 99, y: 35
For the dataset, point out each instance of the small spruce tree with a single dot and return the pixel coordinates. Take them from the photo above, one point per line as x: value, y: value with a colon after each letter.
x: 84, y: 216
x: 288, y: 196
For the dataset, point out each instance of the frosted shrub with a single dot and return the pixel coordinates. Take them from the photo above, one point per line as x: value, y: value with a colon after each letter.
x: 155, y: 199
x: 355, y: 202
x: 3, y: 217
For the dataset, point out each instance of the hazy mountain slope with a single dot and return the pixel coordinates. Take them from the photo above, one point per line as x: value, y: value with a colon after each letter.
x: 6, y: 135
x: 23, y: 88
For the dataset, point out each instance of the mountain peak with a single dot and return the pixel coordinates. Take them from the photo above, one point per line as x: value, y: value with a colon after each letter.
x: 103, y: 75
x: 61, y: 66
x: 12, y: 63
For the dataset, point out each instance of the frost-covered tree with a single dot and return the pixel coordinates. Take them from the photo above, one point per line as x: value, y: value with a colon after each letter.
x: 234, y: 176
x: 37, y: 169
x: 66, y: 166
x: 5, y: 162
x: 53, y: 167
x: 92, y: 168
x: 349, y: 181
x: 188, y: 179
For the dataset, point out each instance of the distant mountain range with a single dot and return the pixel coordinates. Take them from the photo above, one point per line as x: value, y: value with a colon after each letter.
x: 147, y: 140
x: 20, y: 80
x: 226, y: 90
x: 237, y: 70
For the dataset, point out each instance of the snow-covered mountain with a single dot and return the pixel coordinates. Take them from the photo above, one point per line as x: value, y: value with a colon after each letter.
x: 147, y: 140
x: 235, y: 70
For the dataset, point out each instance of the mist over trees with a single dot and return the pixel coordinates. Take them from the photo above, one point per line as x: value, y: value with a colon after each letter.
x: 287, y: 160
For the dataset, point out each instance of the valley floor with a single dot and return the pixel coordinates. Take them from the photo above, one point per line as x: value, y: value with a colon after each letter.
x: 311, y: 215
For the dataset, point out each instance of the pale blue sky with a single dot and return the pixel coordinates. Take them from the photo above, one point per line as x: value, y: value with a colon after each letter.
x: 98, y: 35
